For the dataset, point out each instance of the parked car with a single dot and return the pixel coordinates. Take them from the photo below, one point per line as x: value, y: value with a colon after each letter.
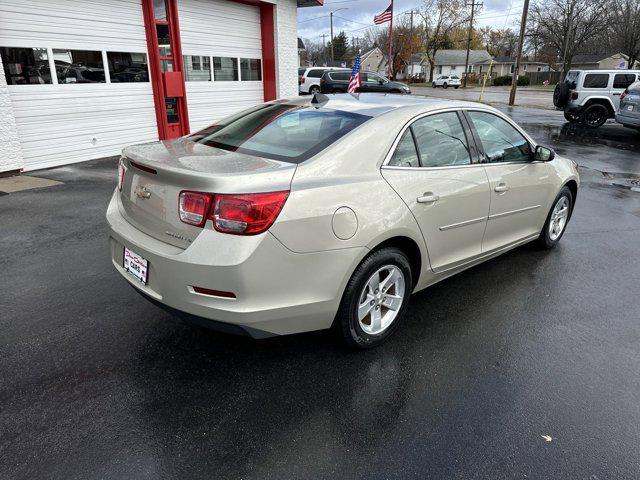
x: 337, y: 81
x: 629, y: 111
x: 446, y: 81
x: 592, y: 96
x: 299, y: 213
x: 309, y: 78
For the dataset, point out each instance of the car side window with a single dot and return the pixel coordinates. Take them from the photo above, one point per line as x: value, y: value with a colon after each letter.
x: 441, y: 140
x: 315, y: 73
x: 623, y: 80
x: 340, y: 76
x: 501, y: 142
x: 596, y: 80
x: 375, y: 78
x: 405, y: 154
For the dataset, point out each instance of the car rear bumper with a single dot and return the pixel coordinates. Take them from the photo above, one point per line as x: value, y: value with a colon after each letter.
x: 277, y: 291
x: 631, y: 120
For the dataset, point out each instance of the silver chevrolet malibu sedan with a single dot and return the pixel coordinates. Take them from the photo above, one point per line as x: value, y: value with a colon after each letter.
x: 308, y: 213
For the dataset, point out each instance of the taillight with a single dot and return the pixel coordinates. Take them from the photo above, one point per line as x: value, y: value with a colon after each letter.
x: 193, y: 207
x: 574, y: 95
x: 322, y: 81
x: 247, y: 214
x: 120, y: 174
x: 238, y: 214
x: 624, y: 94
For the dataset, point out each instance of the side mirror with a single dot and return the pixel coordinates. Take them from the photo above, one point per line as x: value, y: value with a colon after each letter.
x: 544, y: 154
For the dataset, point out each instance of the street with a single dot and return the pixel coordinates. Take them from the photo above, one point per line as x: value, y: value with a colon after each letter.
x: 535, y: 97
x: 523, y: 367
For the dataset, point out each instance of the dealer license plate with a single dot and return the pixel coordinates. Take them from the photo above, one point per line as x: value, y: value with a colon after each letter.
x: 136, y: 265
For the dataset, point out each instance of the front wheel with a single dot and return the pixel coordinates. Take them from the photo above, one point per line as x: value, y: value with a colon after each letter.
x: 444, y: 85
x: 557, y: 219
x: 375, y: 299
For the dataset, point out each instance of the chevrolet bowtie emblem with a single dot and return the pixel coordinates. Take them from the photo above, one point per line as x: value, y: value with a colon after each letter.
x: 142, y: 192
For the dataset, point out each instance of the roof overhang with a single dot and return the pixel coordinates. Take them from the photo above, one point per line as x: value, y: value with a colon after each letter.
x: 310, y: 3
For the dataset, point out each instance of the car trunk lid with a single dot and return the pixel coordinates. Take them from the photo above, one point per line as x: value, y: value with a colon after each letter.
x: 156, y: 173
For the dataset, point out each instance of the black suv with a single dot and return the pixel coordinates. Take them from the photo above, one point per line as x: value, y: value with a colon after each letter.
x: 337, y: 81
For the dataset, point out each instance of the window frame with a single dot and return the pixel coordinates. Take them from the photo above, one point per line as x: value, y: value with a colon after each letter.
x: 473, y: 151
x: 473, y: 140
x: 480, y: 147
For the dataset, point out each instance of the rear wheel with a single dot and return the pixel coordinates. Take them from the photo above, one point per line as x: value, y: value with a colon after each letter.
x: 375, y: 299
x: 457, y: 87
x: 444, y: 85
x: 594, y: 115
x: 314, y: 89
x: 557, y: 219
x: 571, y: 117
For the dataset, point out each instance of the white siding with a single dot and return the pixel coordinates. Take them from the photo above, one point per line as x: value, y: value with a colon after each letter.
x: 286, y: 38
x: 222, y: 29
x: 60, y: 124
x: 10, y: 149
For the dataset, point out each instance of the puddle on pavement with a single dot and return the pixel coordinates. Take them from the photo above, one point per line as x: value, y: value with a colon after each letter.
x: 610, y: 135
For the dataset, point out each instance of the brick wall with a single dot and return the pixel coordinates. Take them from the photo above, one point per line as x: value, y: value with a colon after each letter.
x: 287, y: 48
x: 10, y: 149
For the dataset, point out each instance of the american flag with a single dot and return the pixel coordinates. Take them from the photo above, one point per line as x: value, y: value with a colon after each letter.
x: 354, y: 81
x: 383, y: 17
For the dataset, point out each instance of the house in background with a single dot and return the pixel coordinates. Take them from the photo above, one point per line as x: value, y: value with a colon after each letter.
x: 451, y: 62
x: 600, y: 61
x: 501, y: 66
x: 373, y: 60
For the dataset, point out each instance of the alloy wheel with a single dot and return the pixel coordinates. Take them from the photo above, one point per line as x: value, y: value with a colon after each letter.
x: 381, y: 299
x: 559, y: 218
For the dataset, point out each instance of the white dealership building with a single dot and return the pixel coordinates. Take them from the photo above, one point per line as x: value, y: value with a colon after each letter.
x: 79, y: 79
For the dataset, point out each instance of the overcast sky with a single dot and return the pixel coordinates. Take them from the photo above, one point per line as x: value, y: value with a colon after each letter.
x: 314, y: 21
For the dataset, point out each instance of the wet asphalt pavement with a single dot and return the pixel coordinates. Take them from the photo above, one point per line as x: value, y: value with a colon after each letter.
x: 97, y: 383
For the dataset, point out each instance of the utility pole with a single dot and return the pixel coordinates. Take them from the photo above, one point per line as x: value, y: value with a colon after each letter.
x: 523, y: 26
x: 324, y: 49
x: 566, y: 44
x: 466, y: 62
x: 331, y: 15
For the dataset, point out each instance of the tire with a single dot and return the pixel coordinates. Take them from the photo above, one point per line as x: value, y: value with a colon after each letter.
x: 571, y: 117
x: 444, y: 85
x: 561, y: 94
x: 457, y: 87
x: 594, y: 115
x: 358, y: 293
x: 314, y: 89
x: 433, y: 84
x: 549, y: 239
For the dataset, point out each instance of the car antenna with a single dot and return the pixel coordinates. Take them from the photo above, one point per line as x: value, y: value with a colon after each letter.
x: 319, y: 100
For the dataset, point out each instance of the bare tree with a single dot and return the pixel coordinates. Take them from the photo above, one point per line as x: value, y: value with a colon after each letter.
x: 624, y: 25
x: 440, y: 18
x: 568, y: 25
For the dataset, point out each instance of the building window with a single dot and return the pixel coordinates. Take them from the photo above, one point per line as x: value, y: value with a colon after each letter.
x: 250, y: 69
x: 512, y: 68
x: 78, y: 66
x: 197, y: 68
x: 24, y: 66
x: 439, y: 69
x: 225, y: 69
x: 159, y: 10
x: 164, y: 39
x: 524, y: 67
x: 453, y: 68
x: 127, y: 67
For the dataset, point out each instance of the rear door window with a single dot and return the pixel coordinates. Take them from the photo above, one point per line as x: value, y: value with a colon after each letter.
x: 341, y: 76
x: 290, y: 133
x: 596, y: 80
x: 623, y: 80
x: 441, y: 140
x: 315, y: 73
x: 405, y: 154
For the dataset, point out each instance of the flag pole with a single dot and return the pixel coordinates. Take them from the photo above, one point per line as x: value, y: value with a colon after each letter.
x: 390, y: 43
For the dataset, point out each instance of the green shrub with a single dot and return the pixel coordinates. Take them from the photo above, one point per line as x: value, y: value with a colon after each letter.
x: 523, y: 81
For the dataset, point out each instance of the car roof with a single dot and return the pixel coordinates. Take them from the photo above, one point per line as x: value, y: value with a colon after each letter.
x: 376, y: 104
x: 605, y: 71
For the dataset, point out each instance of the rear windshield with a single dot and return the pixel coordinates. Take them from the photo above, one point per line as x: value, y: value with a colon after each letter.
x: 291, y: 133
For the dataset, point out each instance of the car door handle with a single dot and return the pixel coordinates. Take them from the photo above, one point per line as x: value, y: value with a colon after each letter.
x: 501, y: 188
x: 428, y: 197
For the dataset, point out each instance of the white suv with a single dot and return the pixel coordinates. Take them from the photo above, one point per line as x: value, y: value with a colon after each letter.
x: 309, y: 78
x: 592, y: 96
x: 446, y: 81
